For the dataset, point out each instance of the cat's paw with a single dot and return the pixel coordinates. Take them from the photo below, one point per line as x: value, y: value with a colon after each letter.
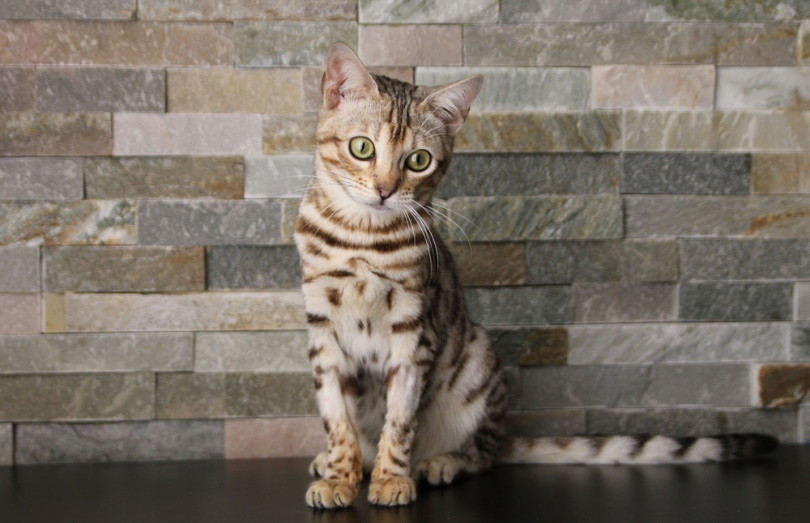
x: 317, y: 468
x: 328, y: 493
x: 397, y: 490
x: 439, y: 470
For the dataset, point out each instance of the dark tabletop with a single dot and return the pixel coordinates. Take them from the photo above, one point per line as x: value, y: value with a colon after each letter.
x: 771, y: 489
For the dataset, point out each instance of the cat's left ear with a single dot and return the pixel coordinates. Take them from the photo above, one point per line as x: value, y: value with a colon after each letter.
x: 451, y: 103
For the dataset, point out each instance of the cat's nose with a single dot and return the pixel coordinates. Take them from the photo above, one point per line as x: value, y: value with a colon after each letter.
x: 384, y: 193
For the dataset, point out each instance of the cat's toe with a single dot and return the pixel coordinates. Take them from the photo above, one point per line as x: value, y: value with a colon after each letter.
x: 318, y: 466
x: 327, y: 493
x: 397, y: 490
x: 440, y: 470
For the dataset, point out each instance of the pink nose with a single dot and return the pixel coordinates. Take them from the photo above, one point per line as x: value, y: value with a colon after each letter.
x: 384, y: 193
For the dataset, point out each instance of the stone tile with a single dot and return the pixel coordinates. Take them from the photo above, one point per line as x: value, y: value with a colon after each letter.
x: 427, y: 12
x: 55, y: 134
x: 727, y: 216
x: 210, y: 311
x: 88, y: 89
x: 693, y: 422
x: 602, y: 261
x: 20, y: 269
x: 21, y: 314
x: 686, y: 173
x: 190, y: 222
x: 744, y: 259
x: 69, y: 9
x: 522, y: 11
x: 139, y: 134
x: 599, y: 131
x: 283, y: 395
x: 278, y: 176
x: 44, y: 42
x: 18, y: 87
x: 660, y: 86
x: 473, y: 174
x: 402, y: 45
x: 123, y: 269
x: 761, y: 11
x: 804, y: 425
x: 253, y: 267
x: 624, y: 302
x: 6, y: 444
x: 783, y: 385
x: 520, y: 305
x: 220, y: 177
x: 530, y: 347
x: 77, y: 397
x: 763, y: 88
x: 45, y: 443
x: 88, y: 222
x: 235, y: 91
x: 190, y: 396
x: 724, y: 301
x: 281, y: 351
x: 288, y: 44
x: 676, y: 343
x: 715, y: 384
x: 780, y: 173
x: 770, y: 131
x: 41, y: 179
x: 273, y: 438
x: 489, y: 264
x: 572, y: 44
x: 804, y: 43
x: 214, y: 10
x: 800, y: 342
x: 95, y: 353
x: 802, y: 306
x: 535, y: 218
x: 289, y: 134
x: 289, y: 213
x: 557, y: 88
x: 53, y: 313
x: 546, y: 423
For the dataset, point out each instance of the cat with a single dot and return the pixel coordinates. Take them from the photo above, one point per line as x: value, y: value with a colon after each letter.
x: 402, y: 375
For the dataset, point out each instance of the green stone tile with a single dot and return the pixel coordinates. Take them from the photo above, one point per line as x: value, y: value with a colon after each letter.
x: 190, y: 396
x: 427, y: 11
x: 286, y: 44
x: 283, y: 394
x: 720, y: 10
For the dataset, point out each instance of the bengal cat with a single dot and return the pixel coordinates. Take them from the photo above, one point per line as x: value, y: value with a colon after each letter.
x: 402, y: 375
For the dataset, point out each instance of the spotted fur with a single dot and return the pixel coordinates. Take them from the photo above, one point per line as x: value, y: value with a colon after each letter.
x: 408, y: 387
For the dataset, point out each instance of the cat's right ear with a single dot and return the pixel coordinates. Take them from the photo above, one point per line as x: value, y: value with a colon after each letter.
x: 345, y: 78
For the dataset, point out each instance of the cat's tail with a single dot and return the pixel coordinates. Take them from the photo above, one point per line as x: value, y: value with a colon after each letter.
x: 637, y: 449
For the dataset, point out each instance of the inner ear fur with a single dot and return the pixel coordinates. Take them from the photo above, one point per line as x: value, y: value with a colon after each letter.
x: 451, y: 103
x: 345, y: 77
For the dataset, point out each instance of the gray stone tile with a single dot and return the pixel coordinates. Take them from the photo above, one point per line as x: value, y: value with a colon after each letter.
x: 77, y: 397
x: 252, y: 222
x: 490, y: 174
x: 282, y: 351
x: 800, y: 343
x: 546, y: 423
x: 288, y: 44
x: 804, y: 425
x: 712, y: 216
x: 683, y: 173
x: 427, y: 12
x: 760, y: 11
x: 520, y: 305
x: 44, y: 443
x: 253, y: 267
x: 724, y: 301
x: 20, y: 269
x: 190, y: 396
x: 530, y: 347
x: 693, y: 422
x: 722, y: 259
x: 69, y: 9
x: 123, y: 269
x: 714, y: 384
x: 524, y: 89
x: 516, y: 218
x: 624, y: 302
x: 21, y: 313
x: 215, y: 10
x: 41, y: 179
x: 802, y: 306
x: 96, y: 353
x: 677, y: 343
x: 6, y: 444
x: 602, y: 261
x: 522, y: 11
x: 763, y: 88
x: 282, y: 394
x: 83, y: 89
x: 278, y: 176
x: 18, y: 87
x: 219, y: 177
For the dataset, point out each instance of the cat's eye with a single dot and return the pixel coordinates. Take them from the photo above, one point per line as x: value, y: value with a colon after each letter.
x: 418, y: 161
x: 361, y: 148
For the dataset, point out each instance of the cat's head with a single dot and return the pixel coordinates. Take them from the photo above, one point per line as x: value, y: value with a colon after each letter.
x: 383, y: 145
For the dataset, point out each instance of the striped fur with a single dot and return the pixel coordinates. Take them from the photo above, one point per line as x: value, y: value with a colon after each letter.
x: 406, y: 384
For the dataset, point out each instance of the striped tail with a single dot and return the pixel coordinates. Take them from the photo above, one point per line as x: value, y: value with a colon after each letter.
x: 637, y: 449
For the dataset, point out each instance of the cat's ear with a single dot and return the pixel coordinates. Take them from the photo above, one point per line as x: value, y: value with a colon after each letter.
x: 345, y: 78
x: 451, y: 103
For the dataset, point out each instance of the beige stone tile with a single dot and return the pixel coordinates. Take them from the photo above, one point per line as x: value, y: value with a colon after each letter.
x: 20, y: 314
x: 404, y: 45
x: 626, y: 86
x: 273, y: 438
x: 780, y: 173
x: 55, y: 134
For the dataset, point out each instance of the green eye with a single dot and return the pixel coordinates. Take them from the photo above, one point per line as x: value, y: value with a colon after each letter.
x: 361, y: 148
x: 418, y: 160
